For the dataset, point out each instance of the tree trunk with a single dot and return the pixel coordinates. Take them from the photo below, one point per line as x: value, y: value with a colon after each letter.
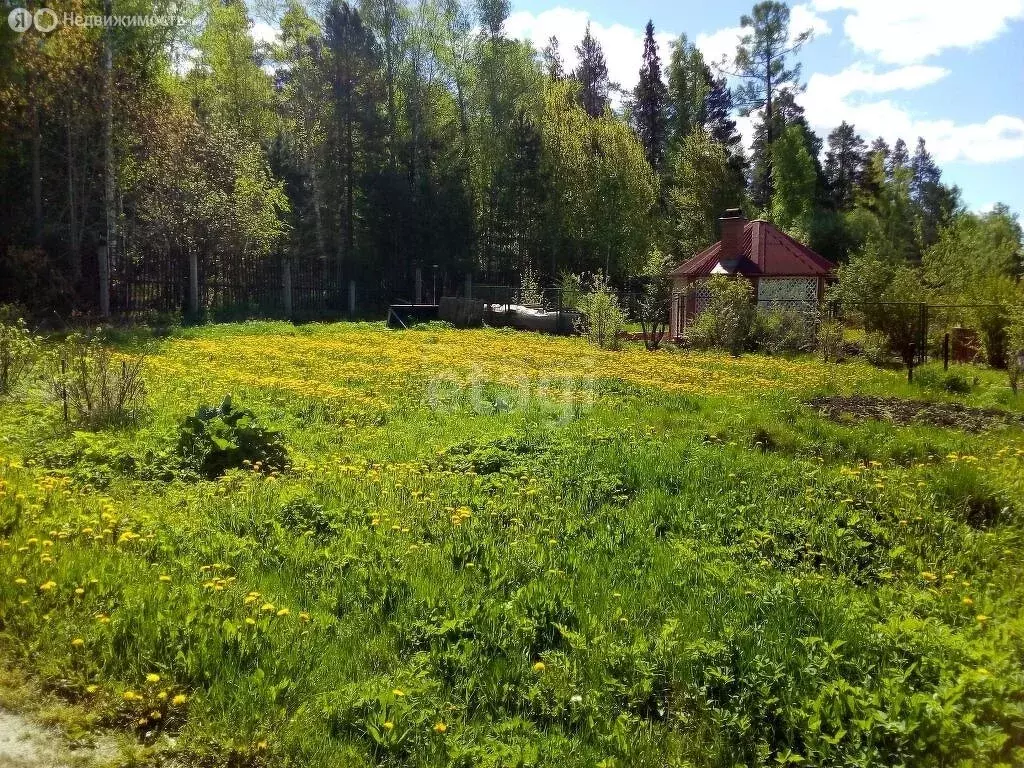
x: 109, y: 203
x: 74, y: 241
x: 37, y: 177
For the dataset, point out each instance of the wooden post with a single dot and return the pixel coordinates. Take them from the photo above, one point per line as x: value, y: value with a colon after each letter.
x: 945, y: 352
x: 286, y: 287
x: 469, y: 286
x: 193, y: 284
x: 419, y: 285
x: 352, y: 298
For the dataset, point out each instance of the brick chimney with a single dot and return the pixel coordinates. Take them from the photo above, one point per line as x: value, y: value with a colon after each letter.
x: 731, y: 226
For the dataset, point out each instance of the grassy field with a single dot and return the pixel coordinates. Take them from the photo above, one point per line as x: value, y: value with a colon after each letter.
x: 502, y: 549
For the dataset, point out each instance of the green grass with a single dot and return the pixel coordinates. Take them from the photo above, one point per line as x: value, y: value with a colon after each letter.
x: 644, y: 576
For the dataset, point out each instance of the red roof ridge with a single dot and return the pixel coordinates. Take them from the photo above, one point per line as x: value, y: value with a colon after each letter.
x: 754, y: 244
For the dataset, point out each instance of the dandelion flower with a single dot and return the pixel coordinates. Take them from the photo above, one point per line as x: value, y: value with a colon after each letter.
x: 440, y: 727
x: 178, y: 700
x: 539, y: 666
x: 283, y: 612
x: 388, y: 725
x: 164, y: 577
x: 981, y: 618
x: 152, y: 677
x: 91, y: 688
x: 968, y: 601
x: 398, y: 692
x: 20, y: 581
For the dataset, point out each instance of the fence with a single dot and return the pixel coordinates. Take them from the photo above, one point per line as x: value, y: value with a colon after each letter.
x: 269, y: 288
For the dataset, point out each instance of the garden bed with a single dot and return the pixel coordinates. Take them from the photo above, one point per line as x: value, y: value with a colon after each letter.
x: 902, y: 411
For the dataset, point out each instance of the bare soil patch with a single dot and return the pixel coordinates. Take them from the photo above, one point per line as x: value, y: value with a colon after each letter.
x: 904, y: 412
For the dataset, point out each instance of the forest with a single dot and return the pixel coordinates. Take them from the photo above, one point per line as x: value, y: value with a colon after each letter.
x: 375, y: 138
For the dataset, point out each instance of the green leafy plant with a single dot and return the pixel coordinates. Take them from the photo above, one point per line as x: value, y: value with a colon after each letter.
x: 97, y: 387
x: 604, y: 316
x: 727, y: 319
x: 19, y: 351
x: 783, y: 329
x: 218, y: 438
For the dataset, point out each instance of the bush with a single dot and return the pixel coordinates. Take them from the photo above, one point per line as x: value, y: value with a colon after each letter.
x: 831, y: 340
x: 783, y: 329
x: 605, y: 319
x: 875, y: 347
x: 97, y: 387
x: 218, y: 438
x: 727, y: 320
x: 19, y: 351
x: 947, y: 381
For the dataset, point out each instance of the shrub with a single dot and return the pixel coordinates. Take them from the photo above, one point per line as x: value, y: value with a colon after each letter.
x: 831, y: 342
x: 876, y: 347
x: 783, y: 329
x: 218, y: 438
x: 19, y: 351
x: 605, y: 318
x: 947, y: 381
x: 97, y: 387
x: 727, y: 320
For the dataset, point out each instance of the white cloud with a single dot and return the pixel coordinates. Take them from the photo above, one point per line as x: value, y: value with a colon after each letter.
x: 719, y: 46
x: 262, y: 32
x: 830, y: 99
x: 803, y: 17
x: 907, y: 31
x: 722, y: 43
x: 623, y: 46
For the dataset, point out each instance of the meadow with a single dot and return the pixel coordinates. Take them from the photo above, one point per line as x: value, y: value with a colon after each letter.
x: 492, y: 548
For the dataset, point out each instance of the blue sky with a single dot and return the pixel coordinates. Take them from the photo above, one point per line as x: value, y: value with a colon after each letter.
x: 952, y: 72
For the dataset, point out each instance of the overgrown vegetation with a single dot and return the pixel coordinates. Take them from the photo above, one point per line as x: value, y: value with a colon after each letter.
x: 640, y: 559
x: 96, y: 386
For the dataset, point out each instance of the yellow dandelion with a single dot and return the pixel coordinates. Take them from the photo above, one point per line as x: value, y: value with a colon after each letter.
x: 152, y: 677
x: 440, y: 727
x: 283, y: 612
x: 388, y: 725
x: 178, y: 700
x: 539, y: 667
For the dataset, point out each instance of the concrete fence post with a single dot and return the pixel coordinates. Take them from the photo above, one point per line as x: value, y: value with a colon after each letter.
x: 193, y: 283
x: 419, y: 285
x: 352, y: 298
x: 286, y: 288
x: 469, y: 286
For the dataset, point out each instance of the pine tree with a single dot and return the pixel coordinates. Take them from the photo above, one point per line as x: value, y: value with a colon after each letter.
x: 844, y: 164
x: 897, y: 160
x: 721, y: 128
x: 552, y: 57
x: 592, y: 75
x: 935, y: 202
x: 761, y: 62
x: 649, y: 104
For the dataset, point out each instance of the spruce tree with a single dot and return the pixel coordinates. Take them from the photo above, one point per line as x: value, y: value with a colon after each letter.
x: 649, y: 104
x: 592, y: 75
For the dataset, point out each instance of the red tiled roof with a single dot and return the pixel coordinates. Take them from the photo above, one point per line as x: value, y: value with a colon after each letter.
x: 771, y: 250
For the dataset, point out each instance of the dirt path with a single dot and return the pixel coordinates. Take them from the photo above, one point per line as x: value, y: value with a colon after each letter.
x: 25, y: 743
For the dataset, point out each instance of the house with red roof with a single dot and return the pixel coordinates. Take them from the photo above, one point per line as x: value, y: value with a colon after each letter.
x: 783, y: 271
